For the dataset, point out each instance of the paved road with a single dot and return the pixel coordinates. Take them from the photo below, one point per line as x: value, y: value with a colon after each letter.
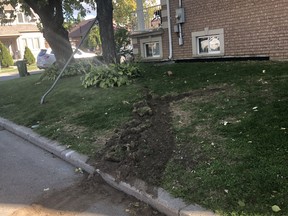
x: 34, y: 183
x: 14, y: 75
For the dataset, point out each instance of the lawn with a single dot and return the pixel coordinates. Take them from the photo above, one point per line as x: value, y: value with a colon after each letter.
x: 231, y: 143
x: 15, y: 70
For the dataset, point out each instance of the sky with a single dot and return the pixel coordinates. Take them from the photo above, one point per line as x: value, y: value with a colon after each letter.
x: 90, y: 15
x: 93, y: 12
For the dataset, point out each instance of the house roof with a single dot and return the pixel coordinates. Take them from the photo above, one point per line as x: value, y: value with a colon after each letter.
x: 8, y: 7
x: 12, y: 30
x: 81, y: 28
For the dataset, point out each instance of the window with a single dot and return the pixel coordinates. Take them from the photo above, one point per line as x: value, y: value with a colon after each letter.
x: 152, y: 49
x: 20, y: 18
x: 24, y: 40
x: 208, y: 42
x: 32, y: 43
x: 26, y: 18
x: 36, y: 43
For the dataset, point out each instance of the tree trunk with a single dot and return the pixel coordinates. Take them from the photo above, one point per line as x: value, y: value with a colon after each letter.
x: 58, y: 39
x: 51, y: 15
x: 105, y: 19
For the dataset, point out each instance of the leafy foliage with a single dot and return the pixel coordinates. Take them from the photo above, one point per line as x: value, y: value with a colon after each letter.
x: 112, y: 75
x: 121, y: 38
x: 94, y: 40
x: 5, y: 57
x: 28, y: 56
x: 123, y: 11
x: 77, y: 68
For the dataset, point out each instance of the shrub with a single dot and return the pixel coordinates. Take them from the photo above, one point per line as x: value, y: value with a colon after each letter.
x: 28, y: 56
x: 76, y: 68
x: 5, y: 57
x: 122, y: 42
x: 107, y: 76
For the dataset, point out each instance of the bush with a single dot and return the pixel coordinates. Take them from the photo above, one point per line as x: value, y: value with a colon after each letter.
x: 76, y: 68
x: 107, y: 76
x: 28, y: 56
x: 5, y: 57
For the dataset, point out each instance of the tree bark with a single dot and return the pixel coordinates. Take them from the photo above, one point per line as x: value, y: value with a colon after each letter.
x: 51, y: 15
x: 105, y: 19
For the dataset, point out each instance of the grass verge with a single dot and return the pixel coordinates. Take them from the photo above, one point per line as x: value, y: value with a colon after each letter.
x: 76, y: 117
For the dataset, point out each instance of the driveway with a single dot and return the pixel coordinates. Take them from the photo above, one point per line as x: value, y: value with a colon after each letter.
x: 34, y: 182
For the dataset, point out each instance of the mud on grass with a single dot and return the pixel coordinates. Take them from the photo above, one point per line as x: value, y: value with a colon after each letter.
x: 206, y: 146
x: 142, y: 147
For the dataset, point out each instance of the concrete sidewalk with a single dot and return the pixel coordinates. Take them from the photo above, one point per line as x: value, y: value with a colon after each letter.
x: 162, y: 201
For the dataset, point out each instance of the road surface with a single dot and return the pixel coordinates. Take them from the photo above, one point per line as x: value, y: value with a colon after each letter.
x: 33, y: 182
x: 14, y: 75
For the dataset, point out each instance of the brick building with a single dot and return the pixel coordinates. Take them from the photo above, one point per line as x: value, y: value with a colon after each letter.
x: 215, y: 29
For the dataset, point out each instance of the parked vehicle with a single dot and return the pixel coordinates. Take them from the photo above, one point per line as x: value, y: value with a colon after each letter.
x: 46, y: 57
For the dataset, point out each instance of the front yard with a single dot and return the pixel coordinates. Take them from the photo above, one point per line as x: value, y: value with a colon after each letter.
x: 211, y: 133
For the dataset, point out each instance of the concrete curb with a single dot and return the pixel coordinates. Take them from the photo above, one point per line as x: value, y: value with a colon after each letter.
x: 156, y: 197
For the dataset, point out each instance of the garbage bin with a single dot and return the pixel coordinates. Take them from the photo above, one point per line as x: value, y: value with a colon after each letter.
x: 22, y: 68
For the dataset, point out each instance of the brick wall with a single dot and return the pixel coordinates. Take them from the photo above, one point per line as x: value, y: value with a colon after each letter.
x: 251, y: 27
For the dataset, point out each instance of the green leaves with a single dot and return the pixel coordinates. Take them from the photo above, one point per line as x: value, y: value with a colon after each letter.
x: 5, y: 57
x: 276, y: 208
x: 241, y: 203
x: 28, y: 56
x: 109, y: 76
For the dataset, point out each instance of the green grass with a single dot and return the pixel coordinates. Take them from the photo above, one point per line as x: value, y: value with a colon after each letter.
x: 232, y: 145
x: 231, y: 148
x: 71, y: 114
x: 15, y: 70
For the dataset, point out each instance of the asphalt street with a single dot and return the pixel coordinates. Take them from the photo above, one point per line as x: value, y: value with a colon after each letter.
x: 14, y: 75
x: 34, y: 182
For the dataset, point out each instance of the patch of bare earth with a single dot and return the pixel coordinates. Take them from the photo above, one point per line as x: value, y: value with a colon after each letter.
x: 142, y: 147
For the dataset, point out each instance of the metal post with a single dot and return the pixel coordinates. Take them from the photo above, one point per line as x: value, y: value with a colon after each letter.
x: 69, y: 60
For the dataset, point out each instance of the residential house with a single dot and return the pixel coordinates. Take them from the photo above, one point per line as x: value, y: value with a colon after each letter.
x: 79, y: 30
x: 20, y: 32
x: 205, y: 29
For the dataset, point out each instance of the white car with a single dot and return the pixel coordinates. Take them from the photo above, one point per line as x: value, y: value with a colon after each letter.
x: 46, y: 57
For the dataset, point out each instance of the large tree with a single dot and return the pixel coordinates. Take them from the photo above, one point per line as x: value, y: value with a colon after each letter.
x: 52, y: 19
x: 105, y: 19
x: 52, y: 14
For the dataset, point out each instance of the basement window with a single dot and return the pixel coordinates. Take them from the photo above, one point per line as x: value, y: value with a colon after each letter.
x: 151, y: 47
x: 152, y: 50
x: 208, y: 43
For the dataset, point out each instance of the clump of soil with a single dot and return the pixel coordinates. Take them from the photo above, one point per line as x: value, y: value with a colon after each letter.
x: 142, y: 147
